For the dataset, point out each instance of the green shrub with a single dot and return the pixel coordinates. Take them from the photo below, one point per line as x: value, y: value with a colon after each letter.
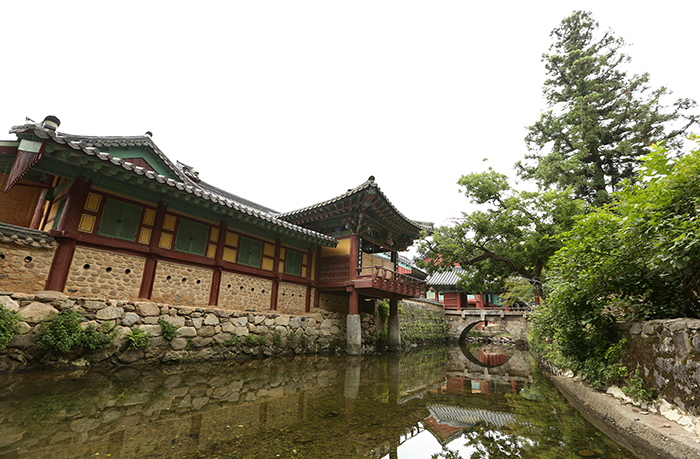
x: 277, y: 338
x: 61, y: 332
x: 168, y: 330
x: 232, y: 341
x: 91, y: 338
x: 138, y: 339
x: 9, y: 325
x: 251, y: 340
x: 635, y: 388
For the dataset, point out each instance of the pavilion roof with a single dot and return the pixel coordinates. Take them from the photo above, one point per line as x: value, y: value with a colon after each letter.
x: 365, y: 210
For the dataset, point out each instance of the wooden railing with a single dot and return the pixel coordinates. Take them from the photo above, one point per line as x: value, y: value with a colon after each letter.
x: 385, y: 279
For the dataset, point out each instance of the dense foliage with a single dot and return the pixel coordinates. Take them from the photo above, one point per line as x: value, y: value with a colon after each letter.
x: 514, y: 234
x: 636, y: 257
x: 600, y: 120
x: 63, y: 331
x: 9, y: 325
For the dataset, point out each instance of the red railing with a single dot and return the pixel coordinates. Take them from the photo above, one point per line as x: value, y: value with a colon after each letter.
x: 385, y: 279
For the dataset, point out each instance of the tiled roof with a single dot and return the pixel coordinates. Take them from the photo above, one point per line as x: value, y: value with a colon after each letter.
x: 25, y: 236
x: 447, y: 278
x: 91, y: 147
x: 369, y: 183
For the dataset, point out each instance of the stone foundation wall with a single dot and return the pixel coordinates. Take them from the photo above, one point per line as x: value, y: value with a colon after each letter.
x: 245, y: 292
x: 667, y: 352
x: 291, y: 298
x: 209, y: 333
x: 24, y: 267
x: 181, y: 284
x: 421, y: 321
x: 103, y: 274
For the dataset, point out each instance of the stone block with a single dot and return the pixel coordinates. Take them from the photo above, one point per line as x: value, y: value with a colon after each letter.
x: 152, y: 330
x: 9, y: 303
x: 200, y: 341
x: 197, y: 321
x: 147, y: 309
x: 227, y: 327
x: 187, y: 332
x: 178, y: 344
x: 177, y: 321
x: 211, y: 319
x: 206, y: 330
x: 36, y: 311
x: 241, y: 331
x: 110, y: 313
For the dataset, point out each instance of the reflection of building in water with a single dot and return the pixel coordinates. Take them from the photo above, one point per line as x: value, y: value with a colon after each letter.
x: 491, y: 359
x: 446, y: 422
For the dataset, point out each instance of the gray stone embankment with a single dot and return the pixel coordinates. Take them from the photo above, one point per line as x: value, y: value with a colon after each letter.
x: 644, y: 431
x: 204, y: 333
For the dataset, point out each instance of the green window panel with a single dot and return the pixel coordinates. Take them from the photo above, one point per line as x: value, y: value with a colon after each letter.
x: 292, y: 264
x: 120, y: 220
x: 191, y: 237
x: 250, y: 252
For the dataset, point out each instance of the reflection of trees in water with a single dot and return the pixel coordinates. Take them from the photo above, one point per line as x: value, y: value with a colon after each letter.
x: 487, y: 355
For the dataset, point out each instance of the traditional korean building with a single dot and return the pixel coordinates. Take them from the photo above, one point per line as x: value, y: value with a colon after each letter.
x: 443, y: 287
x: 113, y: 217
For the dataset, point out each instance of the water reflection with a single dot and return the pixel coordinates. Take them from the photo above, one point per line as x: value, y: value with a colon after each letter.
x: 424, y: 403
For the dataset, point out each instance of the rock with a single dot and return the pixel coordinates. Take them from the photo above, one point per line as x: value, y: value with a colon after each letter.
x: 197, y: 321
x: 176, y: 321
x: 147, y: 309
x: 35, y: 312
x: 211, y: 319
x: 130, y: 356
x: 187, y: 332
x: 9, y: 303
x: 130, y: 318
x: 109, y: 313
x: 282, y: 320
x: 48, y: 295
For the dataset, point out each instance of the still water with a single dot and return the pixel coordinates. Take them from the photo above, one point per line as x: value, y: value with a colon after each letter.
x: 437, y: 403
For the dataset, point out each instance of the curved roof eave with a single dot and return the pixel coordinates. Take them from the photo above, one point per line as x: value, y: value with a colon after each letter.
x: 90, y: 146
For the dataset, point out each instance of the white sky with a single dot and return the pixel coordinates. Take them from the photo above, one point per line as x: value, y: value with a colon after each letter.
x: 288, y: 103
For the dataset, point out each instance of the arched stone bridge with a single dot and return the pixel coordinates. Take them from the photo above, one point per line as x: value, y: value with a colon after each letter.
x: 495, y: 322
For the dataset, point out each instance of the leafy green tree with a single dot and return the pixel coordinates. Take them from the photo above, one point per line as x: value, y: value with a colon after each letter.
x: 600, y: 121
x: 637, y: 258
x: 514, y: 234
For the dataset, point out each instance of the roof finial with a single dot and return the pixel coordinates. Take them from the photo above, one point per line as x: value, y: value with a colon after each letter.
x: 149, y: 134
x: 51, y: 122
x: 371, y: 178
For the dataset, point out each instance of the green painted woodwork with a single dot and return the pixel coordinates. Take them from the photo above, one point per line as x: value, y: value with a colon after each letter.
x: 58, y: 213
x: 292, y: 265
x: 120, y: 220
x: 141, y: 152
x: 112, y: 184
x: 191, y: 237
x: 250, y: 252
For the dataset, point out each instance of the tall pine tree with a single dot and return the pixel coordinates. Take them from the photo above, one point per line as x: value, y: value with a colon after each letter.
x: 599, y: 121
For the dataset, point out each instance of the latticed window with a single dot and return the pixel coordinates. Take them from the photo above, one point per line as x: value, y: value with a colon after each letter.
x: 292, y: 264
x: 120, y: 220
x: 250, y: 252
x: 191, y: 237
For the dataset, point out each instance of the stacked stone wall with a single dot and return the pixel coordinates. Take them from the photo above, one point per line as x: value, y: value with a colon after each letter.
x: 103, y: 274
x: 245, y: 292
x: 210, y: 333
x: 291, y: 298
x: 23, y: 267
x: 181, y: 284
x: 421, y: 321
x: 667, y: 354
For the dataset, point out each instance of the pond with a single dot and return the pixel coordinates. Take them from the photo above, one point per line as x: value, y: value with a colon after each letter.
x: 470, y: 402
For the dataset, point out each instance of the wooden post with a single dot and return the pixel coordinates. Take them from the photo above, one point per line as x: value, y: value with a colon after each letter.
x: 68, y: 225
x: 274, y: 293
x: 149, y: 267
x: 216, y: 275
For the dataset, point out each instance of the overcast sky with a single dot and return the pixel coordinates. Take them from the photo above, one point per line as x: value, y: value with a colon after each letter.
x: 288, y: 103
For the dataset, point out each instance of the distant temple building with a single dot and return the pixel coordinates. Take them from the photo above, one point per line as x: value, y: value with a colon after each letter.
x: 113, y: 217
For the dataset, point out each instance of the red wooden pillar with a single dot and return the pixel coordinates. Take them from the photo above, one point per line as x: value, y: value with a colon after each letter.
x: 307, y: 298
x: 149, y: 268
x: 274, y: 293
x: 67, y: 226
x: 317, y: 276
x: 216, y: 275
x: 354, y: 302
